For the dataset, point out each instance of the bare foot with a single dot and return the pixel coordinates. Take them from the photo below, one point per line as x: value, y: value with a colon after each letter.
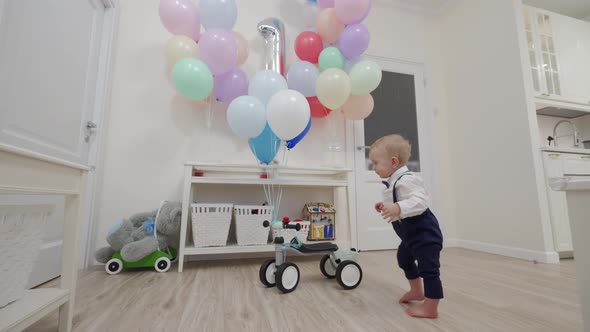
x: 416, y: 292
x: 412, y: 296
x: 428, y: 309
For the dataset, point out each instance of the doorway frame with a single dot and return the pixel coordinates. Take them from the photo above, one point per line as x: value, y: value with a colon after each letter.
x: 425, y: 120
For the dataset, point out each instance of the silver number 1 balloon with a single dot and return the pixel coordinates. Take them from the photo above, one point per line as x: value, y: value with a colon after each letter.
x: 273, y: 31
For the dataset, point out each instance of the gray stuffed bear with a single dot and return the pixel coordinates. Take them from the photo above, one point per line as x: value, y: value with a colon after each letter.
x: 134, y: 240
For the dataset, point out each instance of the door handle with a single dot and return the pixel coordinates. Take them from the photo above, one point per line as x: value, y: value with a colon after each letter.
x: 360, y: 148
x: 90, y: 127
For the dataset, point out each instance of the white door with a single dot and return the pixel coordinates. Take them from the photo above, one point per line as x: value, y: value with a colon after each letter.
x: 49, y: 63
x: 399, y: 109
x: 52, y: 65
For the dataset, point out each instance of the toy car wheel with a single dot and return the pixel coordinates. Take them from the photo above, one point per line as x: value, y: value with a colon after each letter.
x: 174, y: 259
x: 349, y: 274
x: 114, y: 266
x: 162, y: 264
x: 287, y: 277
x: 267, y: 273
x: 327, y: 268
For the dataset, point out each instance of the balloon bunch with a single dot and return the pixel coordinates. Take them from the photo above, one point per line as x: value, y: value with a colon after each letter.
x: 331, y: 73
x: 202, y: 62
x: 270, y: 109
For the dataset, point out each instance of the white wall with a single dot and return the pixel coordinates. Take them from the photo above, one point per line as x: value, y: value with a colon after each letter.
x: 152, y: 131
x: 406, y: 35
x: 493, y: 134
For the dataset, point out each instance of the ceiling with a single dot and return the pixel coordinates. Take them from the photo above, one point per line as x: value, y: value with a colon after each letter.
x: 574, y: 8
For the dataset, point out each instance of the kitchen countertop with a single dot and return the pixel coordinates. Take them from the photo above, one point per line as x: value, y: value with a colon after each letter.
x: 565, y: 149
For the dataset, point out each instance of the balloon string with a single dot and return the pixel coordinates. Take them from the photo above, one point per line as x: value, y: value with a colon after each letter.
x: 209, y: 122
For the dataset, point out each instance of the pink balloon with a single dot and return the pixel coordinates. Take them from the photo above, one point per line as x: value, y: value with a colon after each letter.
x: 180, y: 17
x: 329, y: 27
x: 326, y: 4
x: 350, y: 11
x: 358, y: 107
x: 231, y: 85
x: 219, y: 50
x: 366, y: 13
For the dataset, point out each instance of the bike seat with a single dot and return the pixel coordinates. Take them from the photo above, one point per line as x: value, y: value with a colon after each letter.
x: 317, y: 247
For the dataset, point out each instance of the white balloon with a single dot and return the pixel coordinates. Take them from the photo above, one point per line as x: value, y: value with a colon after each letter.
x: 246, y: 117
x: 288, y: 114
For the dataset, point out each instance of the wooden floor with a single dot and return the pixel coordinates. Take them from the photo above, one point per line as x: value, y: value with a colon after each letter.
x: 483, y: 293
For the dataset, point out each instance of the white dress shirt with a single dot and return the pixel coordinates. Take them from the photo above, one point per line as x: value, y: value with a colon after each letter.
x: 411, y: 195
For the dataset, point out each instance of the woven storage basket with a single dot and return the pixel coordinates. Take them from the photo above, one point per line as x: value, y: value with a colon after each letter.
x: 248, y: 221
x: 211, y: 224
x: 289, y: 234
x: 22, y: 228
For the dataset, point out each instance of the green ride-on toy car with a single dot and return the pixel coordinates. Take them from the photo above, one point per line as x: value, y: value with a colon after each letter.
x: 159, y: 260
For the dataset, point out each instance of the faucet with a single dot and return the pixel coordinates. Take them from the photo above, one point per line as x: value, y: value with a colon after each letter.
x: 576, y: 135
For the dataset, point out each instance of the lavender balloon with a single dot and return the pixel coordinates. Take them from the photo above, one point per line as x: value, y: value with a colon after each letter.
x: 231, y: 85
x: 354, y: 40
x: 219, y: 50
x: 180, y: 17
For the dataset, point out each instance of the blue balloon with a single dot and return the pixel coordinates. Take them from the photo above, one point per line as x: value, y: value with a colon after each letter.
x: 293, y: 142
x: 265, y: 146
x: 302, y: 77
x: 265, y: 84
x: 218, y: 14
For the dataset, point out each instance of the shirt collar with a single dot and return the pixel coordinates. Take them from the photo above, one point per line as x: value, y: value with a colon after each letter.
x: 396, y: 175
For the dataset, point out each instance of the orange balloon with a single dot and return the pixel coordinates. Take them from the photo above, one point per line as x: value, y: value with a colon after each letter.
x: 242, y: 47
x: 328, y: 25
x: 358, y: 107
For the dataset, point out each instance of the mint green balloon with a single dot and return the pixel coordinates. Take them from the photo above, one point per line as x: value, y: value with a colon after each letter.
x: 365, y: 77
x: 192, y: 79
x: 331, y: 57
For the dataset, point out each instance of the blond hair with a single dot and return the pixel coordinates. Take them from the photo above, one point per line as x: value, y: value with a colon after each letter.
x: 394, y: 146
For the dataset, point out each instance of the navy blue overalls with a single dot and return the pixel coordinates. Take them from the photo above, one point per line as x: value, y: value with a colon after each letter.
x: 421, y: 241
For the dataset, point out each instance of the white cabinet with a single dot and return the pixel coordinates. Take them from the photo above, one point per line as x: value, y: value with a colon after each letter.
x: 559, y: 49
x: 562, y: 238
x: 559, y: 164
x: 542, y: 52
x: 572, y: 42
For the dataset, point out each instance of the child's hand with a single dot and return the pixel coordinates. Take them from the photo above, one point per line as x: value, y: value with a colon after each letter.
x: 390, y: 212
x: 379, y: 207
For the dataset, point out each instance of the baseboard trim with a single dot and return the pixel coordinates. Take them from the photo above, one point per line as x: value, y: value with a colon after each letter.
x: 549, y: 257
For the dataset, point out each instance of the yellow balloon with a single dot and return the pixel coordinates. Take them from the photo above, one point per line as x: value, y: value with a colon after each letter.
x: 180, y: 47
x: 333, y: 88
x: 243, y: 49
